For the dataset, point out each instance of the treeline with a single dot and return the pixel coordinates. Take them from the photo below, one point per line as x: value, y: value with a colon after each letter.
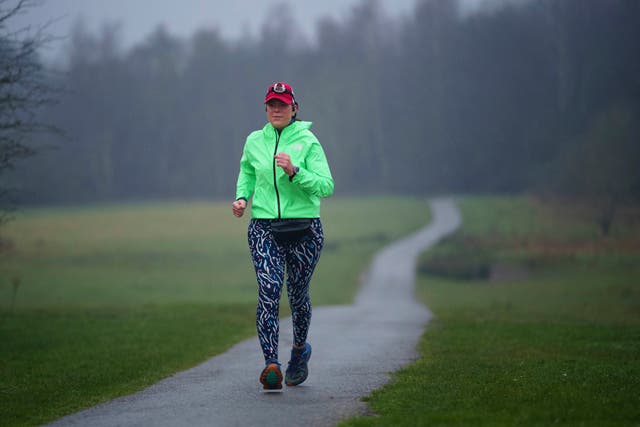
x: 540, y: 95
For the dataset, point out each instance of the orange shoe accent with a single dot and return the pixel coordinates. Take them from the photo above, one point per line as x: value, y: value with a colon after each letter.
x: 271, y: 377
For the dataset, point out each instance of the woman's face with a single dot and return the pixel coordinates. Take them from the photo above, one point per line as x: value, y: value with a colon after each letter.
x: 279, y: 114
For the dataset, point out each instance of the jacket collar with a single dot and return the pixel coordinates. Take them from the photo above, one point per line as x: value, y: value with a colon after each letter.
x: 291, y: 129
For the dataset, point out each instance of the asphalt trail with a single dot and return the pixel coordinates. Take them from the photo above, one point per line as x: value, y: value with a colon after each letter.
x: 354, y: 349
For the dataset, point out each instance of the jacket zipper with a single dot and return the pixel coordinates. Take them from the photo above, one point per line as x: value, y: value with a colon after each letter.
x: 275, y: 184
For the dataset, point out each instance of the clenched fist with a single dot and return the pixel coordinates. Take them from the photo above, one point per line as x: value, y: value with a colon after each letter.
x: 284, y: 161
x: 238, y: 207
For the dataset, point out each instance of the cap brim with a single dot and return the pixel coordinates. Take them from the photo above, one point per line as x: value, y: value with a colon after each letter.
x: 284, y: 97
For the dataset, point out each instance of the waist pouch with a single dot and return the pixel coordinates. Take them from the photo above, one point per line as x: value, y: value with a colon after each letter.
x: 290, y: 230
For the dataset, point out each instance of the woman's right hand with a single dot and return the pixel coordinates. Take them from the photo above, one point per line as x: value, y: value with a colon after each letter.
x: 238, y: 207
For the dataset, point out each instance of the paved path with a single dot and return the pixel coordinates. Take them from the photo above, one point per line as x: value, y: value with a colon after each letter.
x: 354, y: 349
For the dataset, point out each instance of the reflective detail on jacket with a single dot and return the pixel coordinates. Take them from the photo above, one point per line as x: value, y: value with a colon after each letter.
x: 297, y: 198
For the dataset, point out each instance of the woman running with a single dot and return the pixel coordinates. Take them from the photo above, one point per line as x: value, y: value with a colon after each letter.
x: 285, y: 170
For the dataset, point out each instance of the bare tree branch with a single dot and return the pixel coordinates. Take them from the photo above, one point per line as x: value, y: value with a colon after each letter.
x: 7, y: 14
x: 23, y: 91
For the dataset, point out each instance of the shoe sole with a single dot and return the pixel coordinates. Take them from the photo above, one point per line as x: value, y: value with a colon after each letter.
x: 303, y: 379
x: 271, y: 377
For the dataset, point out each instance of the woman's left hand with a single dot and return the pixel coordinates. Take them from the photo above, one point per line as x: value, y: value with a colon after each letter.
x: 284, y: 161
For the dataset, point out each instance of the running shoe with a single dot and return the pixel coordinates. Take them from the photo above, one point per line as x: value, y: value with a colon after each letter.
x: 297, y: 371
x: 271, y: 376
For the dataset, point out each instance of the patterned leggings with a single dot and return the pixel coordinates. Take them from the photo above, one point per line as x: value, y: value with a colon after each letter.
x: 269, y: 260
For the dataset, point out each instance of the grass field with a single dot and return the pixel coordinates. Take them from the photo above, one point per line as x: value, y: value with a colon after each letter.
x: 100, y: 301
x: 537, y: 323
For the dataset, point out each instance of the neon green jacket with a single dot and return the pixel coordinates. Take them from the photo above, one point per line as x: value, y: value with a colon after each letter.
x: 274, y: 194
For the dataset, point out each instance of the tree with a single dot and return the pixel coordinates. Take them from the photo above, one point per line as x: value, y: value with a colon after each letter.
x: 23, y: 90
x: 601, y: 167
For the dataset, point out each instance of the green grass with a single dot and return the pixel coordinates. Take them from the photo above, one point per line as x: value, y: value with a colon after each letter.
x: 113, y: 298
x: 55, y: 361
x: 558, y: 343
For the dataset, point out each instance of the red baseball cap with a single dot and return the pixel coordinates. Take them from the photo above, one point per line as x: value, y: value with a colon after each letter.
x: 281, y: 91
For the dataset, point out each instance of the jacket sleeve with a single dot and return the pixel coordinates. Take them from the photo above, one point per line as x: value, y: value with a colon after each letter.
x: 246, y: 178
x: 316, y: 177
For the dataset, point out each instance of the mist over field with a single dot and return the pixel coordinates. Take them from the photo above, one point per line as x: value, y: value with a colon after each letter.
x: 509, y: 96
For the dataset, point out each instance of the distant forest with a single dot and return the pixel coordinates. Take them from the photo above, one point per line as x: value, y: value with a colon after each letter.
x: 539, y: 96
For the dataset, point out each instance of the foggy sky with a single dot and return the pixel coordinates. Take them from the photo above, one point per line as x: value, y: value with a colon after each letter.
x: 138, y: 18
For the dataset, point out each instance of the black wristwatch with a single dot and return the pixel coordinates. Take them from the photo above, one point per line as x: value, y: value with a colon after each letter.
x: 295, y: 172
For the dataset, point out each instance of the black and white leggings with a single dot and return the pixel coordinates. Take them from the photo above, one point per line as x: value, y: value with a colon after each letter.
x: 269, y: 260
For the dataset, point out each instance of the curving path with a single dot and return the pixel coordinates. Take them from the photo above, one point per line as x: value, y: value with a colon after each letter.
x: 354, y: 349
